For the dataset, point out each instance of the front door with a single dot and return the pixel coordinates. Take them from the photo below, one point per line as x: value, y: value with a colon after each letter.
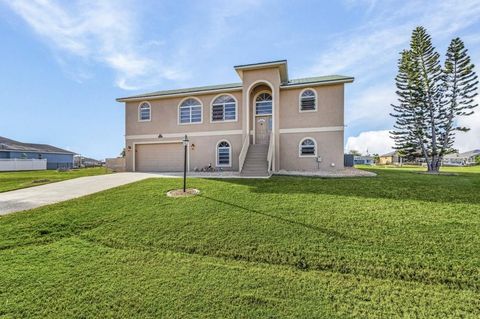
x: 263, y: 127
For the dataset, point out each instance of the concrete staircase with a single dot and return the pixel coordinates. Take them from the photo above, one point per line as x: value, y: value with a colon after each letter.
x: 256, y: 164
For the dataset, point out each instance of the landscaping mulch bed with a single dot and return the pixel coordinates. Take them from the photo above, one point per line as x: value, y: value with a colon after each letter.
x: 180, y: 193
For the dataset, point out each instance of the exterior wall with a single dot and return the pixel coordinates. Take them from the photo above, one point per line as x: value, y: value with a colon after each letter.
x: 330, y: 108
x: 164, y: 116
x: 329, y: 116
x: 329, y: 148
x: 202, y: 150
x: 271, y: 78
x: 164, y: 120
x: 4, y: 154
x: 54, y: 161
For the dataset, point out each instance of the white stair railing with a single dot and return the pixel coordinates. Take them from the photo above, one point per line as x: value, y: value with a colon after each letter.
x: 243, y: 153
x: 270, y: 153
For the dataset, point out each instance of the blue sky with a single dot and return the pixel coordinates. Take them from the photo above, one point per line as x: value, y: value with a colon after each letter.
x: 65, y: 62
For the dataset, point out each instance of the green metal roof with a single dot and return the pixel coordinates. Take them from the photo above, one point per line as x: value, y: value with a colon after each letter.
x: 294, y: 82
x: 183, y: 91
x: 259, y: 64
x: 320, y: 79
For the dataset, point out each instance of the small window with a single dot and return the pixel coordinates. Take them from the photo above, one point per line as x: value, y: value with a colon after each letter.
x: 263, y: 104
x: 224, y: 108
x: 308, y: 100
x: 223, y: 154
x: 190, y: 111
x: 308, y: 147
x: 144, y: 112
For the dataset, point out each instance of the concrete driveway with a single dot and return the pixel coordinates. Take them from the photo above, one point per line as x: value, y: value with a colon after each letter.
x: 37, y: 196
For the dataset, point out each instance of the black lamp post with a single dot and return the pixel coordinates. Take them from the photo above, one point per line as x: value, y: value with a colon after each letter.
x: 185, y: 146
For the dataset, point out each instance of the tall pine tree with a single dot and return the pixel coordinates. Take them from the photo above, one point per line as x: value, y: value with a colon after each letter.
x: 430, y: 98
x: 460, y: 90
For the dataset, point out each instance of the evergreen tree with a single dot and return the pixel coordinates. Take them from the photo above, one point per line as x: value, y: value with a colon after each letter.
x: 409, y: 113
x: 460, y: 90
x: 430, y: 99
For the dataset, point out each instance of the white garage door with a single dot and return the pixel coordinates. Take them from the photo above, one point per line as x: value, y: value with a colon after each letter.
x: 159, y: 157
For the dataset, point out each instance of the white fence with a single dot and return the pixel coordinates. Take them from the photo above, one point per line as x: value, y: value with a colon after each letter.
x: 17, y: 164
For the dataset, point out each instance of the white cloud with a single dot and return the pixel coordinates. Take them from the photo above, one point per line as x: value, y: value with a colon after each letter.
x: 109, y: 32
x: 373, y: 44
x: 379, y: 142
x: 101, y: 31
x: 372, y: 142
x: 370, y: 52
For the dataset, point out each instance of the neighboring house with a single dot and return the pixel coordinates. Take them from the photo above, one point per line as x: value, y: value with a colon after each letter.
x: 263, y: 124
x: 364, y: 160
x: 461, y: 159
x: 390, y: 158
x: 82, y: 161
x: 56, y: 157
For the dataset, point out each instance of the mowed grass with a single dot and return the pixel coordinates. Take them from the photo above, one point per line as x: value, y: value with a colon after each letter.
x: 16, y: 180
x: 416, y: 168
x: 401, y: 244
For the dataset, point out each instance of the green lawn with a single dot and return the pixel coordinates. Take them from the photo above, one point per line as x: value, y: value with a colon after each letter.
x: 401, y: 244
x: 15, y: 180
x: 444, y: 169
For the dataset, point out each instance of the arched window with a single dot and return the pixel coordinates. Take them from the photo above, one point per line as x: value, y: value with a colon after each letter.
x: 307, y: 147
x: 190, y: 111
x: 144, y: 112
x: 224, y: 153
x: 224, y: 108
x: 308, y: 100
x: 263, y: 104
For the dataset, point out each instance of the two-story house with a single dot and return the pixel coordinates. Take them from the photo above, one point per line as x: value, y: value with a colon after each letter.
x: 263, y: 124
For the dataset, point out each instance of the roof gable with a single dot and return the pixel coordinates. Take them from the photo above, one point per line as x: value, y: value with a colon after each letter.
x: 280, y: 64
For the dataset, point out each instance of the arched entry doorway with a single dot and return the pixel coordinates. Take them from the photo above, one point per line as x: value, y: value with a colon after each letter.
x: 261, y: 110
x: 263, y: 104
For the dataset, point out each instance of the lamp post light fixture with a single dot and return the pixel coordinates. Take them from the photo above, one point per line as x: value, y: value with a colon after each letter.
x: 185, y: 147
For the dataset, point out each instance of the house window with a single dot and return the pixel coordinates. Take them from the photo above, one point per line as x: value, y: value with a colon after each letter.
x: 144, y: 112
x: 308, y: 100
x: 190, y: 111
x: 224, y: 108
x: 223, y: 154
x: 308, y: 147
x: 263, y: 104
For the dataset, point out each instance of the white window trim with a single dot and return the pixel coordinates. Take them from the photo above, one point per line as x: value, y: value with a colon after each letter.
x: 300, y: 101
x: 150, y: 111
x: 255, y: 103
x: 224, y: 121
x: 178, y: 111
x: 229, y: 154
x: 300, y: 147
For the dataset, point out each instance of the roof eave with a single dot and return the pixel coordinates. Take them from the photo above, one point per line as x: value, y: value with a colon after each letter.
x: 39, y: 151
x: 306, y: 84
x: 180, y: 94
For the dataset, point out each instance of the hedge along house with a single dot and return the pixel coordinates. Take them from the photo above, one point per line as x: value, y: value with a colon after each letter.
x: 261, y: 125
x: 56, y: 157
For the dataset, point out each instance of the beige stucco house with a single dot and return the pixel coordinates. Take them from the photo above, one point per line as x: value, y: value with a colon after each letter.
x: 263, y: 124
